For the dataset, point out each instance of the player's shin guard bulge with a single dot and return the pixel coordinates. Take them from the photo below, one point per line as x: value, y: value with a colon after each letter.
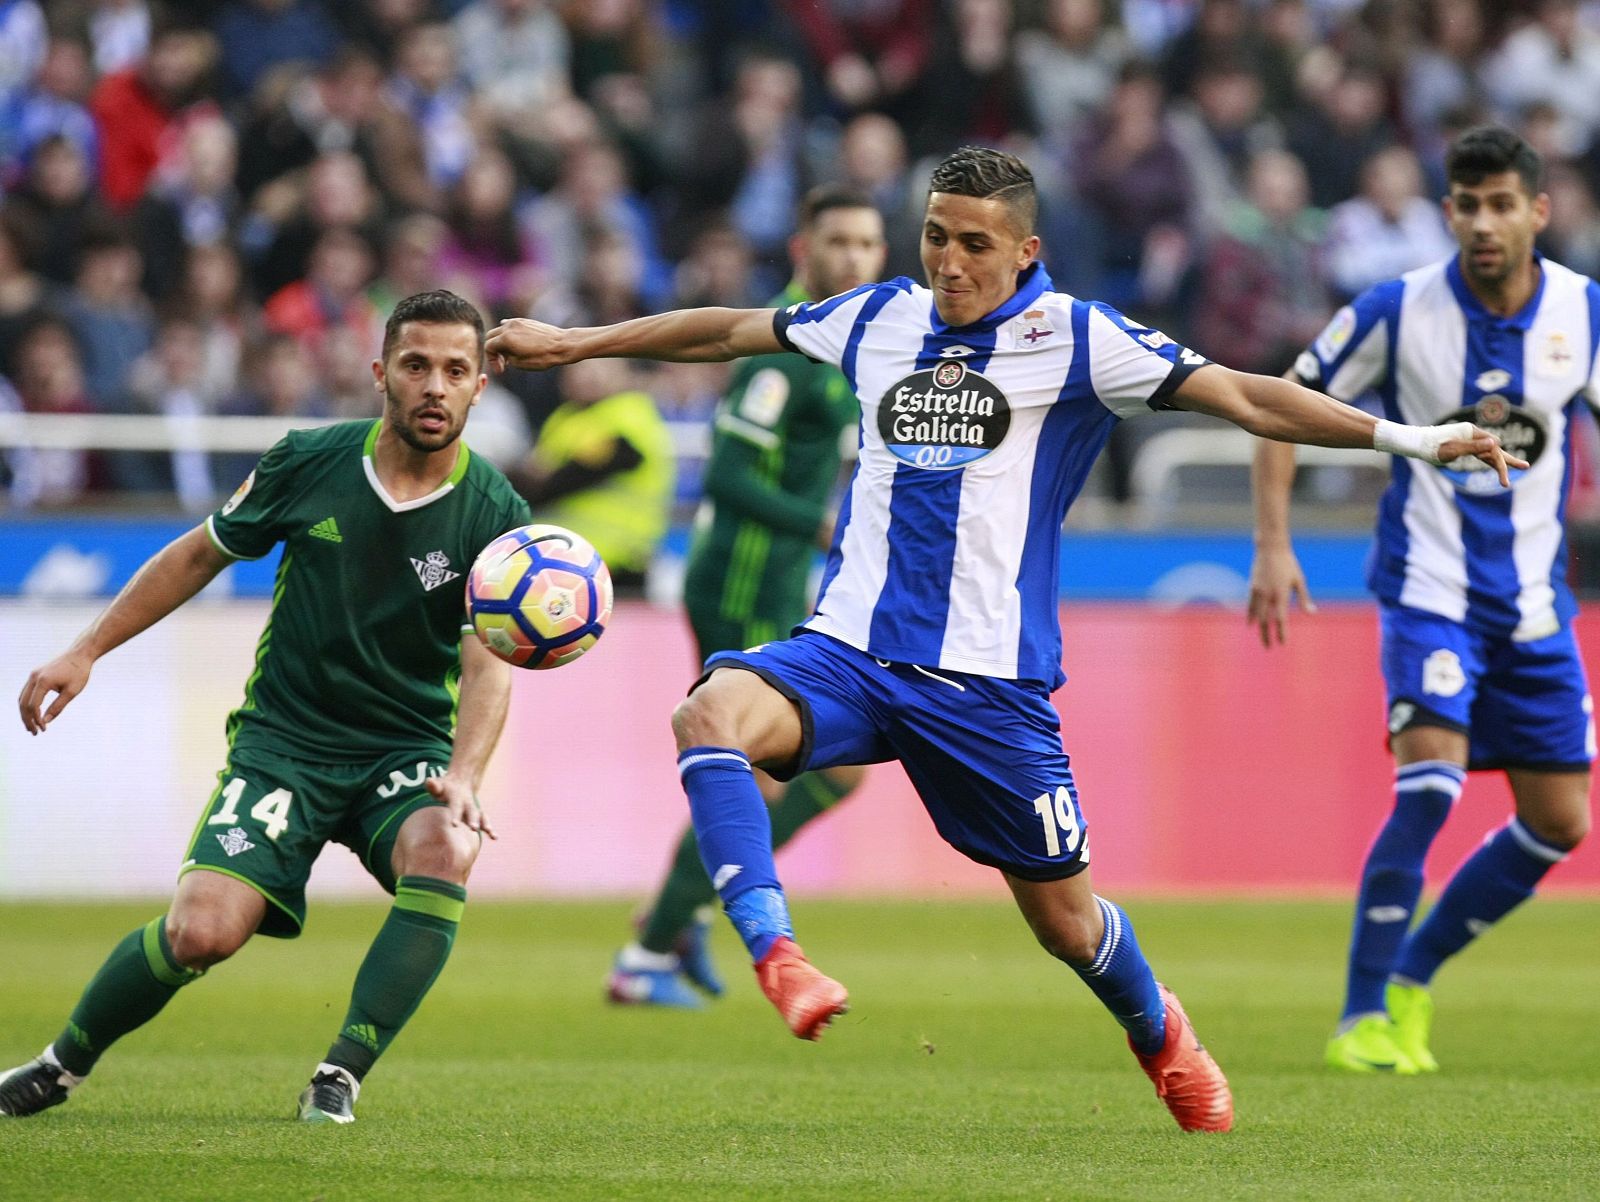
x: 807, y: 999
x: 1186, y: 1078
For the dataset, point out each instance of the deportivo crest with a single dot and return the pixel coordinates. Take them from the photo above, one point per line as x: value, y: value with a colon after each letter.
x: 1032, y: 329
x: 943, y: 418
x: 1555, y: 356
x: 434, y: 570
x: 235, y: 841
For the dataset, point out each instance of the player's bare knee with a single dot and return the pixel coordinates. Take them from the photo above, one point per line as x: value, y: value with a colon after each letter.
x: 1565, y: 830
x: 700, y: 720
x: 201, y: 940
x: 438, y: 850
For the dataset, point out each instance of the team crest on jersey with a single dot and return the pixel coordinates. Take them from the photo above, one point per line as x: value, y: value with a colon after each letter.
x: 434, y: 570
x: 1555, y: 356
x: 943, y: 418
x: 1519, y: 430
x: 1032, y: 329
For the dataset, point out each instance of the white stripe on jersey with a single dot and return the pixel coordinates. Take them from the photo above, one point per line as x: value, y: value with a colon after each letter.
x: 974, y: 584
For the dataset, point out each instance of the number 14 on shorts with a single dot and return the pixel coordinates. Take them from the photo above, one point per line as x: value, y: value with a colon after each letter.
x: 271, y: 811
x: 1062, y: 830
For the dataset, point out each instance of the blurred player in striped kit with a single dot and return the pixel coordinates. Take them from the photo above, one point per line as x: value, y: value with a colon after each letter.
x: 1479, y: 659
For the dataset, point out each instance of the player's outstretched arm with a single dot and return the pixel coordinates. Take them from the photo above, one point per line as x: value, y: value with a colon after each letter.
x: 168, y: 578
x: 1275, y: 575
x: 681, y: 336
x: 480, y: 714
x: 1269, y: 407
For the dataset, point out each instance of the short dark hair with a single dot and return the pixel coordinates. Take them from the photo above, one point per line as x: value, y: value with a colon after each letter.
x: 438, y: 307
x: 989, y: 174
x: 1489, y: 150
x: 825, y: 197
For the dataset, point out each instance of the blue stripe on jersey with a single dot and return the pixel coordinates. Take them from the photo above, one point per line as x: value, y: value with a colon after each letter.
x: 1381, y: 302
x: 924, y: 511
x: 1487, y: 535
x: 847, y: 365
x: 870, y: 310
x: 1068, y: 444
x: 1386, y: 571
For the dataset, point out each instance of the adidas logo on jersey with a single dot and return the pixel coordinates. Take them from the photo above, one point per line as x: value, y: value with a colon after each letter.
x: 327, y: 529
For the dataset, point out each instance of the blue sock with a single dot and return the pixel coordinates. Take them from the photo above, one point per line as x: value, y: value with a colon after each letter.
x: 1121, y: 978
x: 1492, y: 882
x: 1391, y: 879
x: 735, y: 836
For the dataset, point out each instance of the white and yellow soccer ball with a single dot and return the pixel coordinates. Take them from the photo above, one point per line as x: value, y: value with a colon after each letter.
x: 539, y: 596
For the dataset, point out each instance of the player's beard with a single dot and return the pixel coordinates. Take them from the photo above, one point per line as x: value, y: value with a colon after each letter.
x: 403, y: 420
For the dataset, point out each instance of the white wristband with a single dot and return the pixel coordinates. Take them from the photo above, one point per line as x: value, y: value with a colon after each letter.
x: 1417, y: 442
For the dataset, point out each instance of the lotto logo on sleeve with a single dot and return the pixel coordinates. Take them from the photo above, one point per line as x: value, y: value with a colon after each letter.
x: 943, y: 418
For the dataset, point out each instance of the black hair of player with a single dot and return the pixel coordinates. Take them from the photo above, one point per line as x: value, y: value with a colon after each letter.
x: 438, y: 307
x: 988, y: 174
x: 1486, y: 150
x: 825, y: 198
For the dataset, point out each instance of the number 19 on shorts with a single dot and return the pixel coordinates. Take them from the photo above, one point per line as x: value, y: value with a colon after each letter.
x: 1062, y: 831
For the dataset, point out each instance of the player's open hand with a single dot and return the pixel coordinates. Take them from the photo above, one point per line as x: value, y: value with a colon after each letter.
x: 1275, y: 581
x: 525, y: 343
x: 461, y: 801
x: 1485, y: 447
x: 65, y: 676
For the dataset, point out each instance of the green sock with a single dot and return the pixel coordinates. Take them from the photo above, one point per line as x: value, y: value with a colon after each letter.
x: 401, y: 966
x: 687, y: 886
x: 136, y: 981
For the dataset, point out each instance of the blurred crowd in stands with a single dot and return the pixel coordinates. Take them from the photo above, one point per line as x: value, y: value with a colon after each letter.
x: 211, y: 207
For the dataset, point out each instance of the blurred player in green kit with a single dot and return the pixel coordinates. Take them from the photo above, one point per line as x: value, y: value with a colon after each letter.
x: 368, y: 720
x: 775, y: 461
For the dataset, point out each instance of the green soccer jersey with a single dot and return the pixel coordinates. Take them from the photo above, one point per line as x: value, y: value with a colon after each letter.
x: 361, y: 653
x: 774, y: 462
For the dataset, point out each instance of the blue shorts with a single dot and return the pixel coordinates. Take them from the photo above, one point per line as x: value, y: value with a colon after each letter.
x: 1521, y: 705
x: 984, y: 754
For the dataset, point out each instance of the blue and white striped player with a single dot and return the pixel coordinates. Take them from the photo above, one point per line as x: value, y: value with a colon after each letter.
x: 1479, y: 659
x: 984, y: 399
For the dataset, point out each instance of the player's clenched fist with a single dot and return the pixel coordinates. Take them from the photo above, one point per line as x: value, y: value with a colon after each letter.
x: 525, y: 343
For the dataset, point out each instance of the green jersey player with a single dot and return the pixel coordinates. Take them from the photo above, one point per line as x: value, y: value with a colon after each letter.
x: 768, y: 487
x: 368, y: 719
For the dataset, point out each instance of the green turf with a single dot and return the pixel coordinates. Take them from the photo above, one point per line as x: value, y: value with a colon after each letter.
x: 971, y: 1067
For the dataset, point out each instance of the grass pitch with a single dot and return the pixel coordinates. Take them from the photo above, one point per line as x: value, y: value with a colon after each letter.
x: 971, y: 1067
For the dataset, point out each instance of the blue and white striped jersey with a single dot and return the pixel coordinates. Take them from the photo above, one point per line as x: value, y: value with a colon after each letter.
x: 973, y: 442
x: 1451, y: 540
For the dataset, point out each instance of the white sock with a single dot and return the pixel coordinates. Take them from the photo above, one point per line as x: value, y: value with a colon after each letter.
x: 69, y: 1080
x: 355, y: 1086
x: 635, y: 958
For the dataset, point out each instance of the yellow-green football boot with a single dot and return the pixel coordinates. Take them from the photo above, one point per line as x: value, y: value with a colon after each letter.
x: 1368, y: 1045
x: 1411, y: 1014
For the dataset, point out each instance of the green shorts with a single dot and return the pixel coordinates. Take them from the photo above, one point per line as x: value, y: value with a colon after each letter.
x: 713, y: 632
x: 270, y: 816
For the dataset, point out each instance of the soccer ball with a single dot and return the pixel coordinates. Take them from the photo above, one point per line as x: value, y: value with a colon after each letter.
x: 539, y: 596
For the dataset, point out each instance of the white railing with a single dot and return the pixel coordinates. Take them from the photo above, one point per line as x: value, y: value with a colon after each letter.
x: 1152, y: 479
x: 154, y: 432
